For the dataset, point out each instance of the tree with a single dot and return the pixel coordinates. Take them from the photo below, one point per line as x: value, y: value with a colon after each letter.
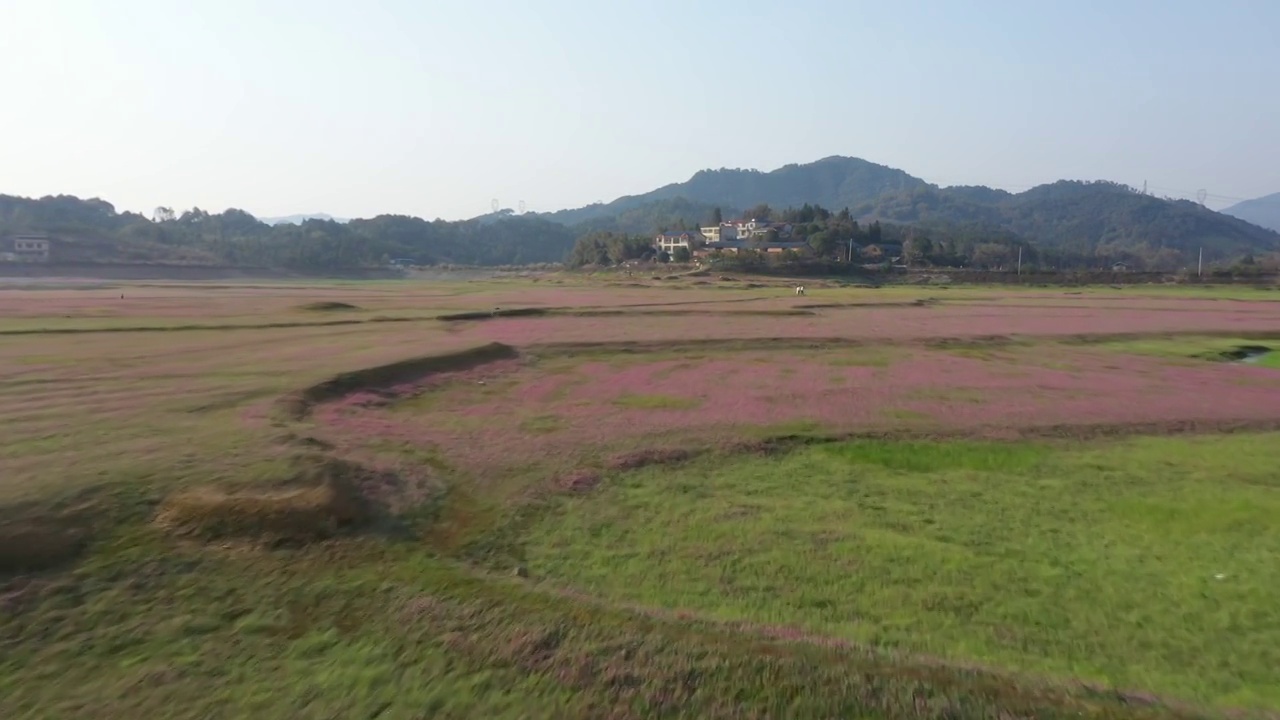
x: 681, y: 255
x: 824, y: 243
x: 990, y: 255
x: 717, y: 217
x: 875, y: 233
x: 164, y: 214
x: 759, y: 212
x: 918, y: 249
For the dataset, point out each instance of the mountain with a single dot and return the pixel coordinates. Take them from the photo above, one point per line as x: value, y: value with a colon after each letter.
x: 1081, y: 218
x: 1066, y: 218
x: 299, y: 219
x: 832, y: 182
x: 92, y: 231
x: 1263, y: 211
x: 1065, y: 224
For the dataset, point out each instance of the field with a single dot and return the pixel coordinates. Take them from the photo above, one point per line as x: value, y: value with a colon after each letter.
x: 573, y: 497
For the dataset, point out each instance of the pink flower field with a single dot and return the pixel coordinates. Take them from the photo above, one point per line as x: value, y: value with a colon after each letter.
x: 888, y: 322
x: 555, y: 407
x: 517, y: 412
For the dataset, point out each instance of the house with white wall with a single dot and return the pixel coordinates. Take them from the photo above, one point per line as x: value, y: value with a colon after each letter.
x: 667, y: 242
x: 31, y: 248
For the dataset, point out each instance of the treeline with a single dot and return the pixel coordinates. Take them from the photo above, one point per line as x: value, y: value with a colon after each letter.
x: 1081, y: 224
x: 829, y: 236
x: 92, y: 230
x: 971, y: 228
x: 1062, y: 226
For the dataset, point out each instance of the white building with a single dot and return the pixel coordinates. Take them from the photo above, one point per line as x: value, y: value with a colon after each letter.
x: 31, y: 248
x: 717, y: 233
x: 667, y: 242
x: 747, y: 229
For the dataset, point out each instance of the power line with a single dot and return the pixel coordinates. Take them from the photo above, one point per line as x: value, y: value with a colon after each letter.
x: 1189, y: 195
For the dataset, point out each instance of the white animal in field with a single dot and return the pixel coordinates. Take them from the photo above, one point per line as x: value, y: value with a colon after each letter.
x: 799, y: 289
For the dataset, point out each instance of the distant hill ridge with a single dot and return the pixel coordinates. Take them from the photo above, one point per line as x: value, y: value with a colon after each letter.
x: 1086, y: 218
x: 299, y: 219
x: 1263, y: 211
x: 832, y: 182
x: 1069, y: 223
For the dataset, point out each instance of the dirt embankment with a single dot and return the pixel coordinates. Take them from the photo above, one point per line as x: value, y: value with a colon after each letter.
x: 159, y: 271
x: 299, y: 404
x: 1099, y: 277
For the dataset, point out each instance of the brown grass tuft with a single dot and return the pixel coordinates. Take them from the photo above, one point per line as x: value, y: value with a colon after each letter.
x: 644, y: 458
x: 320, y: 504
x: 579, y: 481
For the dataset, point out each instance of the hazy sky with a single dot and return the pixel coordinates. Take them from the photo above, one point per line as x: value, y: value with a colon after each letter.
x: 434, y: 107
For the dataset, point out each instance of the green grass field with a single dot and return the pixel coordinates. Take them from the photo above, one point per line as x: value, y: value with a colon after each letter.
x: 1192, y: 347
x: 767, y: 579
x: 1097, y: 562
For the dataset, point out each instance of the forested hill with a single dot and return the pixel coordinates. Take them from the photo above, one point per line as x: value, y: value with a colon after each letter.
x: 1081, y: 219
x: 1098, y: 219
x: 1076, y: 223
x: 93, y: 231
x: 833, y: 182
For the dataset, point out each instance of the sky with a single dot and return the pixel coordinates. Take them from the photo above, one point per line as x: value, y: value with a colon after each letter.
x: 436, y: 107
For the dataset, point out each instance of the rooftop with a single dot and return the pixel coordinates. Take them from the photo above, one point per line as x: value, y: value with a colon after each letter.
x: 747, y: 244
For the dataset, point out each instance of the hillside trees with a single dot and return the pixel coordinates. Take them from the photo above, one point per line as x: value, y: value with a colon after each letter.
x: 609, y: 248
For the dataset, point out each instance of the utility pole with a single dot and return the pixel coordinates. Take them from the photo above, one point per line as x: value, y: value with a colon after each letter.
x: 1200, y: 263
x: 1019, y: 259
x: 850, y: 251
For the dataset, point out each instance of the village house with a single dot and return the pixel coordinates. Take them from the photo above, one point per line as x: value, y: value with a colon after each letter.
x: 31, y: 248
x: 731, y: 237
x: 747, y: 229
x: 733, y: 247
x: 882, y: 251
x: 717, y: 233
x: 668, y: 242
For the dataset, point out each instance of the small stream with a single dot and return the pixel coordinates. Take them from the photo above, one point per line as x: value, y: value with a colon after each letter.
x: 1251, y: 354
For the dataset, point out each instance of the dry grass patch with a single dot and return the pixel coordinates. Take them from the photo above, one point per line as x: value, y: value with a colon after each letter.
x: 319, y: 504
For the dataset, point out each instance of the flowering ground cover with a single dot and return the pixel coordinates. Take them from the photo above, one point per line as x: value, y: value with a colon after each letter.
x: 485, y: 589
x: 891, y: 322
x: 553, y: 408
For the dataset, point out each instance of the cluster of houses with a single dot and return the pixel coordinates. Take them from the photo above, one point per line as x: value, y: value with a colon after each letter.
x: 25, y: 248
x: 732, y: 237
x: 768, y: 237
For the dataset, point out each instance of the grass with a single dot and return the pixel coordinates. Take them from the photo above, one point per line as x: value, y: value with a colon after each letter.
x: 1097, y: 562
x: 1270, y: 360
x: 904, y: 547
x: 1191, y: 347
x: 872, y: 356
x: 635, y: 401
x: 546, y: 423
